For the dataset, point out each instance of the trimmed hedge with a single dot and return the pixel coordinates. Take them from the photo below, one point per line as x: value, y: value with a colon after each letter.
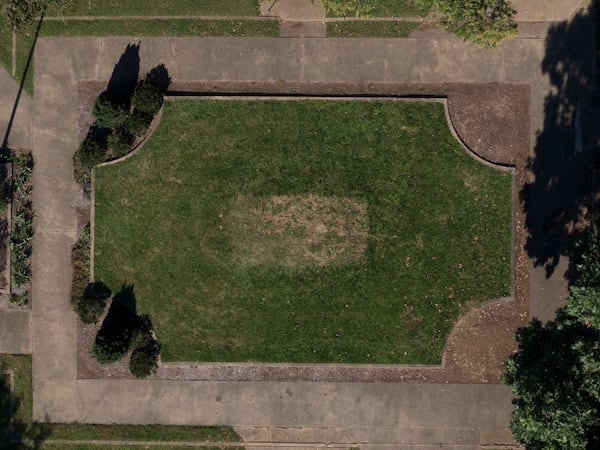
x: 93, y: 302
x: 109, y: 110
x: 147, y: 98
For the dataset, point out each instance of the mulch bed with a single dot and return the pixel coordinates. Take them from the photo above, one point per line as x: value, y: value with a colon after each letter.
x: 492, y: 120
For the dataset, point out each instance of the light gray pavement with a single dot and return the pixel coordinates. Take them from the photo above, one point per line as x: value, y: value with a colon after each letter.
x: 297, y: 18
x: 15, y: 331
x: 466, y: 415
x: 18, y: 117
x: 546, y: 10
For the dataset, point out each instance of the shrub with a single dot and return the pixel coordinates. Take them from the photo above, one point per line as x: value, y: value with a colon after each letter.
x: 91, y: 305
x: 109, y: 110
x: 147, y: 98
x: 137, y: 123
x: 114, y: 337
x: 486, y: 23
x: 90, y: 153
x: 107, y: 350
x: 119, y: 144
x: 80, y: 260
x: 144, y: 358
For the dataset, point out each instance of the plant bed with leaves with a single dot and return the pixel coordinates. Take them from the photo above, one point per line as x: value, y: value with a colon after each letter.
x: 21, y: 235
x: 309, y: 231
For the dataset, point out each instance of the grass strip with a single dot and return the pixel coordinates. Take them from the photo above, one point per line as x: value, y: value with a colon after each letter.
x: 216, y: 222
x: 396, y: 8
x: 162, y: 27
x: 5, y: 44
x: 87, y: 432
x: 365, y: 29
x: 79, y: 446
x: 159, y: 8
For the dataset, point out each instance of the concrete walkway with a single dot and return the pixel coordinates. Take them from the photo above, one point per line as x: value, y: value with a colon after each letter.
x: 466, y: 415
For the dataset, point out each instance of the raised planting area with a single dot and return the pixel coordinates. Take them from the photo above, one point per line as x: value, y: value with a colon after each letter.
x: 304, y: 231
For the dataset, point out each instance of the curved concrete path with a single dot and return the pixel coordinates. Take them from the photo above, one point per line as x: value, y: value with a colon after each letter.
x: 400, y: 414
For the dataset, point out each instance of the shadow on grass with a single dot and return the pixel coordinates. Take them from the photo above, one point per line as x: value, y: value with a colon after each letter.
x: 4, y: 149
x: 15, y: 433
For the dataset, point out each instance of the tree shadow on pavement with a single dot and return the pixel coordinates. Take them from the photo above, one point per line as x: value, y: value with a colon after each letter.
x: 561, y: 193
x: 125, y: 74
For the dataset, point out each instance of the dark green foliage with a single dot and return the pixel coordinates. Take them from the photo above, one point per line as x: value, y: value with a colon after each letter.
x: 90, y: 153
x: 122, y: 328
x: 486, y: 23
x: 119, y: 143
x: 110, y: 110
x: 19, y: 299
x: 21, y: 236
x: 584, y: 264
x: 137, y: 123
x: 144, y: 358
x: 91, y: 305
x: 80, y: 260
x: 22, y: 12
x: 147, y: 98
x: 556, y: 381
x: 113, y: 340
x: 555, y: 375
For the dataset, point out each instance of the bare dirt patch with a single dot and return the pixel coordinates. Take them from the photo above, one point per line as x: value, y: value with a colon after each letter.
x: 298, y: 231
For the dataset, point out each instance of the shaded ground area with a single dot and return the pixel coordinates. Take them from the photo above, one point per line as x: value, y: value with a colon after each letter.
x: 563, y: 165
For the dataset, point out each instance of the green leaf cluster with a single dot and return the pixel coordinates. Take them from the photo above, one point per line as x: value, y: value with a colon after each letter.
x: 486, y: 23
x: 555, y: 375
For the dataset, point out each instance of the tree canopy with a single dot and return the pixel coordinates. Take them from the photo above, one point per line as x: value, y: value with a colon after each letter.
x: 486, y: 23
x: 555, y: 374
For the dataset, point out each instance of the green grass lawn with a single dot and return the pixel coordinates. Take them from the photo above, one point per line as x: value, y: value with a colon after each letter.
x: 21, y: 418
x: 161, y: 8
x: 304, y: 231
x: 395, y: 8
x: 364, y: 29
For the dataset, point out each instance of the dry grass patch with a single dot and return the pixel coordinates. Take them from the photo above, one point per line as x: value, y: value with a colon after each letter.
x: 297, y: 231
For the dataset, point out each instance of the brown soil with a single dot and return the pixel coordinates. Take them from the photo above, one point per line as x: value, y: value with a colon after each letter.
x: 492, y: 120
x: 297, y: 231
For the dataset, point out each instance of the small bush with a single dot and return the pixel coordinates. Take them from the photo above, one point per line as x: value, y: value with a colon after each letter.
x: 107, y: 350
x: 80, y: 260
x: 113, y: 340
x: 90, y: 153
x: 19, y: 299
x: 119, y: 144
x: 109, y: 111
x: 144, y: 358
x: 91, y: 305
x: 486, y: 23
x: 137, y: 124
x: 147, y: 98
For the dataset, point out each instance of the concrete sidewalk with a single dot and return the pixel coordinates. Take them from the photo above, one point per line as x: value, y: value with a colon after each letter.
x: 468, y: 415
